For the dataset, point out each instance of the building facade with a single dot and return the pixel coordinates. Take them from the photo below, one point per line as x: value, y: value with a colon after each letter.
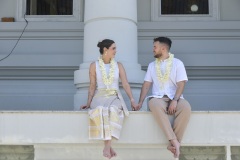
x: 45, y: 54
x: 40, y: 69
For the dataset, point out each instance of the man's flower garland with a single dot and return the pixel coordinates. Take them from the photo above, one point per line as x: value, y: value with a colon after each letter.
x: 107, y: 80
x: 164, y: 78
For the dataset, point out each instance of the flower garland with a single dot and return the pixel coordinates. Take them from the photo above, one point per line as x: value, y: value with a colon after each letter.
x: 107, y: 80
x: 164, y: 78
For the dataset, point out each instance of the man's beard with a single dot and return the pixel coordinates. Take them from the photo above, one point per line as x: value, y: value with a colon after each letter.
x: 157, y: 55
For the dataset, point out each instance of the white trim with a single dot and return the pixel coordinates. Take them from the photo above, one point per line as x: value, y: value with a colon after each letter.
x: 157, y: 16
x: 77, y: 13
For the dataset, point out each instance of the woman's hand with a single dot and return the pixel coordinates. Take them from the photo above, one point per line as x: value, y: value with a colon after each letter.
x: 134, y: 106
x: 84, y: 107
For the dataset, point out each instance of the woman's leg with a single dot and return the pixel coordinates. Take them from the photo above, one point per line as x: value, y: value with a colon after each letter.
x: 114, y: 120
x: 113, y: 153
x: 107, y: 149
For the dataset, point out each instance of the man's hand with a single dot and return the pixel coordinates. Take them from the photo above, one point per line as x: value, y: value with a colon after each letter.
x: 172, y: 107
x: 138, y: 107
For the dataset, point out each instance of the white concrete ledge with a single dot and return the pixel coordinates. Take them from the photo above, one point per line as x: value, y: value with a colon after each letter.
x: 71, y: 127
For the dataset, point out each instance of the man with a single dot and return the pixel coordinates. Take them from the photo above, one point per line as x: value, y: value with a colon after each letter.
x: 167, y: 75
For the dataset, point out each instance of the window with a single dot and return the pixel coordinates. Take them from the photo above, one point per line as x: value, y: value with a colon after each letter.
x: 179, y: 10
x: 49, y: 7
x: 184, y: 7
x: 50, y: 10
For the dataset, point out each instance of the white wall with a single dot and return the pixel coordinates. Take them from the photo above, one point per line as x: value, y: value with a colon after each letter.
x: 38, y: 75
x: 230, y: 10
x: 144, y: 10
x: 36, y: 94
x: 8, y: 8
x: 43, y: 43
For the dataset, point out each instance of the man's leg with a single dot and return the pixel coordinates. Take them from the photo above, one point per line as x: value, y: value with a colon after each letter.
x: 158, y: 106
x: 159, y: 111
x: 182, y: 117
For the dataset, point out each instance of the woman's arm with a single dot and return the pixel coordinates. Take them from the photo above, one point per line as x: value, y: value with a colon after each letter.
x: 125, y: 84
x: 92, y: 86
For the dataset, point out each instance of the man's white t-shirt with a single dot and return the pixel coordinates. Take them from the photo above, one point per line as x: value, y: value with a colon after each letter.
x: 159, y: 89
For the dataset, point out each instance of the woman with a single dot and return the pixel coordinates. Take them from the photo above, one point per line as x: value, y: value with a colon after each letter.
x: 107, y: 107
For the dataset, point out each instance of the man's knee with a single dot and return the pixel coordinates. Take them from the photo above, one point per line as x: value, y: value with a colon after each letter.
x: 188, y: 106
x: 187, y: 109
x: 184, y: 106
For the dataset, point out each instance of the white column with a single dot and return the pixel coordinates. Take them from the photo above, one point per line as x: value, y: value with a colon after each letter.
x: 116, y: 20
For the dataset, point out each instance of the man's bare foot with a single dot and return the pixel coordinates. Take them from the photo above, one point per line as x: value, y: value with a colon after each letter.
x: 172, y: 149
x: 107, y: 152
x: 113, y: 153
x: 176, y: 144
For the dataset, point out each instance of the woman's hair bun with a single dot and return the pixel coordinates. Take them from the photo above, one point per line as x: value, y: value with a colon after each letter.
x: 99, y: 44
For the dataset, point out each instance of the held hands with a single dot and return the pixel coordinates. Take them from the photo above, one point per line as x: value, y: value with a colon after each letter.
x: 172, y: 107
x: 135, y: 107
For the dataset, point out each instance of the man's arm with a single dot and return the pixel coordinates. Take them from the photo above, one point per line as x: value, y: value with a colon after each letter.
x: 179, y: 91
x: 145, y: 88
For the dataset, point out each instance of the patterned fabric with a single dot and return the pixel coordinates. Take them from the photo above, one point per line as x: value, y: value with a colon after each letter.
x: 105, y: 116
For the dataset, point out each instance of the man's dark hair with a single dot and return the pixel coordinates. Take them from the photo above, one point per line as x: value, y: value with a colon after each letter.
x: 164, y: 40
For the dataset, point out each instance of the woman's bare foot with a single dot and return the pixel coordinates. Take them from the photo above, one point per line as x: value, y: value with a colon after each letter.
x: 172, y: 149
x: 176, y: 145
x: 107, y: 152
x: 113, y: 153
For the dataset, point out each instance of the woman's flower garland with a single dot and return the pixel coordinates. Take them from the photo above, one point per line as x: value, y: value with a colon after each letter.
x: 164, y: 78
x: 107, y: 80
